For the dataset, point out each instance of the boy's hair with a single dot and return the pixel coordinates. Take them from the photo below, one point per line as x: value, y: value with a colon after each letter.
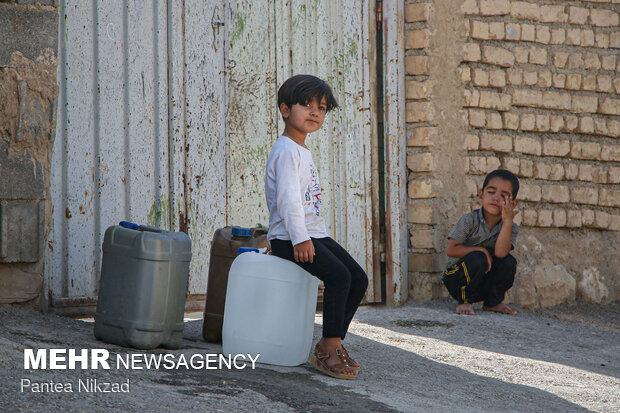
x: 505, y: 175
x: 303, y: 88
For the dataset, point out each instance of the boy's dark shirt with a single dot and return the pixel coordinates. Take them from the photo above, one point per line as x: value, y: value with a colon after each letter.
x: 472, y: 230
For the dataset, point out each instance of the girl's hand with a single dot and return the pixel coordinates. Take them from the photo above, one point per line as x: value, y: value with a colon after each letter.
x: 508, y: 208
x: 304, y: 251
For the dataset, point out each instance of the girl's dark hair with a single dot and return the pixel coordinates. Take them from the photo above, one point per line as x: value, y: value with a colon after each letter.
x: 505, y: 175
x: 303, y: 88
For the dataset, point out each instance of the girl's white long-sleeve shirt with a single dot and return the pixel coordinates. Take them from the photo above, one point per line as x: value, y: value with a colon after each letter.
x: 293, y: 193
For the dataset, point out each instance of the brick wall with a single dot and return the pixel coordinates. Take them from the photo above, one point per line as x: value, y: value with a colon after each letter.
x: 538, y: 94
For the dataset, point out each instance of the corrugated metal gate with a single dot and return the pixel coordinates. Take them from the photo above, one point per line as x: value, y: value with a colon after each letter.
x: 167, y: 114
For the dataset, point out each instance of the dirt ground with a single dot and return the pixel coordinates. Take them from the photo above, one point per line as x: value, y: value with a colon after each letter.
x: 419, y: 357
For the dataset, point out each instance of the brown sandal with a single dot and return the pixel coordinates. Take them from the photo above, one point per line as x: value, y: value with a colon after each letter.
x: 319, y: 362
x: 350, y: 362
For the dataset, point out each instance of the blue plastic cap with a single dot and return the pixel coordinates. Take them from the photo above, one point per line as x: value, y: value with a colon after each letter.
x: 242, y: 232
x: 129, y: 225
x: 241, y: 250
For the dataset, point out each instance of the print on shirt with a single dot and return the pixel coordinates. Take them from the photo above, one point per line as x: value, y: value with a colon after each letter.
x: 313, y: 192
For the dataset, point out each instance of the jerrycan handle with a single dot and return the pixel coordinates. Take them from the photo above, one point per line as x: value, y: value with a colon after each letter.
x: 136, y: 227
x: 241, y: 250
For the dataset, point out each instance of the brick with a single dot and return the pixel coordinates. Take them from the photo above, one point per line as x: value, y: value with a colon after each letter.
x: 578, y: 15
x: 573, y: 219
x: 556, y: 123
x: 494, y: 7
x: 420, y: 162
x: 573, y: 81
x: 521, y: 54
x: 558, y: 36
x: 587, y: 38
x: 477, y: 165
x: 420, y: 213
x: 575, y: 61
x: 608, y: 62
x: 528, y: 32
x: 494, y: 120
x: 528, y: 122
x: 472, y: 97
x: 417, y: 39
x: 545, y: 218
x: 557, y: 172
x: 570, y: 123
x: 586, y: 125
x: 419, y: 112
x: 510, y: 121
x: 472, y: 142
x: 584, y: 195
x: 524, y: 10
x: 573, y: 37
x: 586, y: 173
x: 526, y: 168
x: 543, y: 34
x: 614, y: 128
x: 470, y: 7
x: 471, y: 187
x: 556, y: 100
x: 425, y: 136
x: 589, y: 82
x: 465, y: 74
x: 559, y: 218
x: 496, y: 101
x: 530, y: 217
x: 422, y: 239
x: 584, y: 103
x: 479, y: 30
x: 525, y: 144
x: 513, y: 31
x: 591, y: 61
x: 498, y: 143
x: 417, y: 12
x: 497, y: 78
x: 602, y: 40
x: 571, y: 171
x: 614, y: 40
x: 601, y: 219
x: 610, y: 106
x: 527, y: 97
x: 556, y: 147
x: 497, y: 56
x: 544, y: 79
x: 559, y: 80
x: 587, y: 218
x: 617, y: 85
x: 511, y: 164
x: 542, y: 171
x: 477, y: 118
x: 614, y: 175
x: 480, y: 77
x: 560, y: 59
x: 542, y: 123
x: 603, y: 18
x: 418, y: 90
x: 610, y: 153
x: 556, y: 194
x: 471, y: 52
x: 514, y: 76
x: 585, y: 150
x: 423, y: 188
x: 416, y: 65
x: 530, y: 78
x: 600, y: 126
x: 493, y: 163
x: 614, y: 225
x: 553, y: 14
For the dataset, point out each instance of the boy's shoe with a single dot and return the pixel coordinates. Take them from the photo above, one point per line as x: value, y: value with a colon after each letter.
x: 319, y: 362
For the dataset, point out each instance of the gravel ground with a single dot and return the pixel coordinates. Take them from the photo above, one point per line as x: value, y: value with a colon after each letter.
x: 419, y: 357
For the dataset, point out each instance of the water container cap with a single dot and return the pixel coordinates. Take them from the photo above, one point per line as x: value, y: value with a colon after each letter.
x: 241, y: 250
x: 242, y: 232
x: 129, y: 225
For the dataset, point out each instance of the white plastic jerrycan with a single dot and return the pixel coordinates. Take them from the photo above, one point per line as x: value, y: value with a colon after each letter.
x: 269, y: 311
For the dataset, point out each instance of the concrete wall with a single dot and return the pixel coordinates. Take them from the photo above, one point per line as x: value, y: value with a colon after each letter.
x: 28, y: 94
x: 532, y: 87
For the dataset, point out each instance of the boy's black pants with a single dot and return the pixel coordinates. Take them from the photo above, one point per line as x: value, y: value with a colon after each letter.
x: 345, y: 281
x: 467, y: 282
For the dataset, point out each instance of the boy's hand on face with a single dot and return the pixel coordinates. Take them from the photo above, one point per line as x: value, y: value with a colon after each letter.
x: 508, y: 208
x: 304, y: 251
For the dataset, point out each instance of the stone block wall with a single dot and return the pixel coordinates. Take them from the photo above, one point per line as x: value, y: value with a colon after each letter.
x: 529, y: 86
x: 28, y: 95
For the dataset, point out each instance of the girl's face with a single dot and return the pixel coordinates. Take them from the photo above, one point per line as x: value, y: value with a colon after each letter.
x: 305, y: 118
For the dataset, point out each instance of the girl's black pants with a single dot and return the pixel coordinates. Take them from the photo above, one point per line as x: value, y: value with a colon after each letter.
x: 345, y: 281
